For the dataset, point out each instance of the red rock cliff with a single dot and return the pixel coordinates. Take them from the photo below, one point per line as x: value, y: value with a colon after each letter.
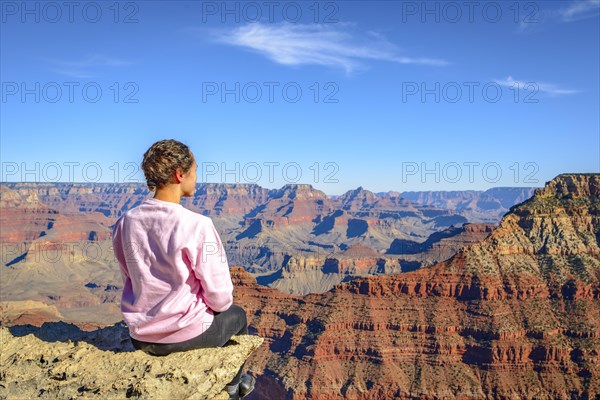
x: 514, y: 316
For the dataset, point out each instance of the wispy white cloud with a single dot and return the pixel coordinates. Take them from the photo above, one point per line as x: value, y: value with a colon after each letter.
x: 86, y: 67
x: 574, y: 10
x: 579, y: 9
x: 547, y: 88
x: 320, y: 44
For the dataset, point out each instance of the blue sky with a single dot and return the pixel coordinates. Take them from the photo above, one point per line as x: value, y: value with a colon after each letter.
x: 384, y: 95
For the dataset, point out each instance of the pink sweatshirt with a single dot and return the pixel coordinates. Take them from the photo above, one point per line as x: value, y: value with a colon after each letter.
x: 175, y: 271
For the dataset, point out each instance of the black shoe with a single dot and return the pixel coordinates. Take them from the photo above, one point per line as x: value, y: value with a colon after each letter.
x: 246, y: 385
x: 233, y: 391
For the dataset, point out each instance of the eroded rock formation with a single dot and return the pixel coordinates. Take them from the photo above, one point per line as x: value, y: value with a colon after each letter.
x: 514, y: 316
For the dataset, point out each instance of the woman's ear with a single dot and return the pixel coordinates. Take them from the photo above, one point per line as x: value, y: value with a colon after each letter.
x: 178, y: 175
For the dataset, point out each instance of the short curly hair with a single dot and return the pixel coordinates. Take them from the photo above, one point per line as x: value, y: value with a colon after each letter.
x: 162, y: 159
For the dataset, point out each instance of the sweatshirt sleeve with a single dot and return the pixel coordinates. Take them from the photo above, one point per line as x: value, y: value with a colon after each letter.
x: 212, y: 269
x: 118, y: 247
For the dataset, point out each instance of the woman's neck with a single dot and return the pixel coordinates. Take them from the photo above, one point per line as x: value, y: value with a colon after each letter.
x: 168, y: 195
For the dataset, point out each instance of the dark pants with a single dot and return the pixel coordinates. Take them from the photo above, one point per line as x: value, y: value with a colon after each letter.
x: 226, y: 324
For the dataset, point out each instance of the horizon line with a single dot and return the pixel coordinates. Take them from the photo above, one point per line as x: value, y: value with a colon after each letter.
x: 281, y: 187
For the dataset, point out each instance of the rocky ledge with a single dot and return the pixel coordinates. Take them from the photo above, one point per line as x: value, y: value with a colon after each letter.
x: 102, y: 365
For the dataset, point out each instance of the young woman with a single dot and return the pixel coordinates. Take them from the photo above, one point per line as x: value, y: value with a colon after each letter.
x: 177, y: 293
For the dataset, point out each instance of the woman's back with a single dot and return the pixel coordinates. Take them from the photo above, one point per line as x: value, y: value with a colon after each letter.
x: 174, y: 269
